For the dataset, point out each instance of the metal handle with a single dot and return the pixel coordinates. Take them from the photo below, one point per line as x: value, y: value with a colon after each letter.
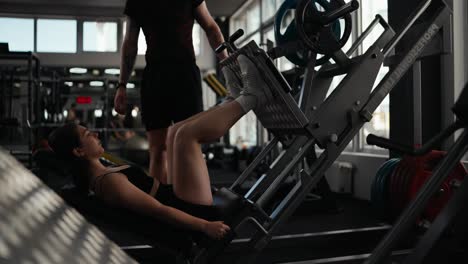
x: 230, y: 42
x: 388, y: 144
x: 340, y: 12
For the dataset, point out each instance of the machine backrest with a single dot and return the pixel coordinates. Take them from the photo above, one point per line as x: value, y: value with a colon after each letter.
x: 38, y: 227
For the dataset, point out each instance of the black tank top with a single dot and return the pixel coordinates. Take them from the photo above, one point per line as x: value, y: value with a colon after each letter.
x: 134, y: 175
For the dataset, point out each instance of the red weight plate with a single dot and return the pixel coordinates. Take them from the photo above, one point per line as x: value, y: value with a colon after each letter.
x: 407, y: 175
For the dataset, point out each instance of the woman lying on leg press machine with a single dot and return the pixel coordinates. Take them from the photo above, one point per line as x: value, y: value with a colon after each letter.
x: 187, y: 202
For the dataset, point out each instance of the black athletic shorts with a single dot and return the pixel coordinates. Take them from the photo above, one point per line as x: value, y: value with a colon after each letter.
x: 171, y: 92
x: 166, y: 196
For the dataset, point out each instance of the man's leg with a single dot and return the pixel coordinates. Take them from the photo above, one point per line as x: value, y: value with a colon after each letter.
x: 158, y: 154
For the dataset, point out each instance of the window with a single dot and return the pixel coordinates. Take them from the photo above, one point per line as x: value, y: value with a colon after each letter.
x: 380, y: 122
x: 239, y: 23
x: 18, y: 33
x: 100, y: 36
x: 141, y: 39
x: 253, y: 18
x: 196, y: 39
x: 244, y: 132
x: 142, y: 43
x: 369, y: 9
x: 255, y: 37
x: 268, y: 9
x: 56, y: 35
x: 284, y: 64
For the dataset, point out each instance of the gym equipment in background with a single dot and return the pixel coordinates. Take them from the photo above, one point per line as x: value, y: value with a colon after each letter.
x: 215, y: 85
x: 445, y: 173
x: 315, y: 30
x: 290, y: 36
x: 399, y: 180
x: 316, y: 120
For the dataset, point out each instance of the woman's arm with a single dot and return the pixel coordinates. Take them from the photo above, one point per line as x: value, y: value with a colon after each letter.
x: 117, y: 190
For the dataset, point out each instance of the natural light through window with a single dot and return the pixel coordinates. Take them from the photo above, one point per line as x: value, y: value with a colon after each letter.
x: 380, y: 122
x: 18, y: 33
x: 100, y: 36
x: 56, y: 35
x: 141, y: 40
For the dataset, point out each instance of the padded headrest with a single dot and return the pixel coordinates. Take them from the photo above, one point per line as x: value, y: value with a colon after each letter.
x: 51, y: 170
x: 46, y: 158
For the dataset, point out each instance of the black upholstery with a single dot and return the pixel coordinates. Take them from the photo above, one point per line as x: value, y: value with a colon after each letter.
x: 51, y: 170
x: 227, y: 203
x: 125, y: 227
x: 461, y: 106
x: 38, y: 227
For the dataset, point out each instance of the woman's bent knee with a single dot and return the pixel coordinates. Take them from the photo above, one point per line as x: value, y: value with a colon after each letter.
x: 184, y: 135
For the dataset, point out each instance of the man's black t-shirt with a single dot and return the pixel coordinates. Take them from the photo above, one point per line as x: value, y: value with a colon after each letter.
x: 167, y: 25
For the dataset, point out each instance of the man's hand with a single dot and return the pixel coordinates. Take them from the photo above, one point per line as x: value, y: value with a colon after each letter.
x: 120, y: 100
x: 216, y: 229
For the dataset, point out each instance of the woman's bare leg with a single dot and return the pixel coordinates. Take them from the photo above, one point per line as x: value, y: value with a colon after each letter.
x: 171, y: 136
x: 190, y: 174
x: 191, y: 180
x: 234, y: 86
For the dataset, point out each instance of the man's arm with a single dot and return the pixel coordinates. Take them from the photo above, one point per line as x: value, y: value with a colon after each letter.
x: 129, y: 50
x: 215, y: 37
x: 127, y: 61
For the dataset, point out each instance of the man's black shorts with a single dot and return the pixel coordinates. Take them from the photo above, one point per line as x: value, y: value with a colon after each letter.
x: 170, y: 93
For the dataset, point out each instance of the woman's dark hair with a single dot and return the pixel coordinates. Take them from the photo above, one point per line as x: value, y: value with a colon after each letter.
x: 62, y: 141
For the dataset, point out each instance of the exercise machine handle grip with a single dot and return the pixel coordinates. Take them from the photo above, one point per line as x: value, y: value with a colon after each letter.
x: 387, y: 144
x: 229, y: 44
x: 391, y: 145
x: 239, y: 33
x: 342, y: 11
x: 221, y: 47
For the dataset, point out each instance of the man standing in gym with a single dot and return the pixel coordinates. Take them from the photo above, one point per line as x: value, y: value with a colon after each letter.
x: 171, y: 84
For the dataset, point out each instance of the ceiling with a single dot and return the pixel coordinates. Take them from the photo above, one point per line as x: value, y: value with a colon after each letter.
x: 96, y: 8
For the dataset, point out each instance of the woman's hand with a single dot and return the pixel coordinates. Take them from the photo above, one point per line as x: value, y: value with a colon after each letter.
x: 216, y: 229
